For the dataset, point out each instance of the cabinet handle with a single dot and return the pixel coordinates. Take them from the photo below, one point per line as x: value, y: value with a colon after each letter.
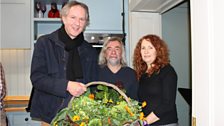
x: 26, y: 119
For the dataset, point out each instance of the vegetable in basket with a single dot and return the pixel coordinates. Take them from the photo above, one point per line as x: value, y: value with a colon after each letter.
x: 107, y: 106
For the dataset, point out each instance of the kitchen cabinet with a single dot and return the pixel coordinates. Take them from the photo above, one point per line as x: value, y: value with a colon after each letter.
x: 105, y: 16
x: 15, y: 107
x: 15, y: 24
x: 21, y: 119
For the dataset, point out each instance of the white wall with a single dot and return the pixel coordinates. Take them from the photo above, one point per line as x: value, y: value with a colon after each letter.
x: 16, y: 64
x: 207, y: 61
x: 175, y: 31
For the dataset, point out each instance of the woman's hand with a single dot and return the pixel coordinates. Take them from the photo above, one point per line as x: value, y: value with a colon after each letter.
x: 151, y: 118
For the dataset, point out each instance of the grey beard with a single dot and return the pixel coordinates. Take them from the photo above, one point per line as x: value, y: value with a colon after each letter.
x: 113, y: 62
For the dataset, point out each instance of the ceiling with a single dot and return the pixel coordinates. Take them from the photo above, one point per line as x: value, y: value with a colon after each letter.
x: 154, y: 6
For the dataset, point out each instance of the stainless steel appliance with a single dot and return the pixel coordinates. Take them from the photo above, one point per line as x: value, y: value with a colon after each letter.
x: 97, y: 39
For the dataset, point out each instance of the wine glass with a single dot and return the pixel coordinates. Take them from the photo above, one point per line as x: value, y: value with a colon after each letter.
x: 63, y: 4
x: 37, y: 7
x: 43, y: 8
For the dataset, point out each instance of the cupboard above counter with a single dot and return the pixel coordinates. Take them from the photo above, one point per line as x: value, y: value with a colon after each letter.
x: 15, y: 24
x: 105, y: 15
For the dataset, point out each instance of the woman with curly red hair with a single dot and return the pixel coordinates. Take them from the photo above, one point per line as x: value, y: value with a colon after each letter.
x: 157, y: 81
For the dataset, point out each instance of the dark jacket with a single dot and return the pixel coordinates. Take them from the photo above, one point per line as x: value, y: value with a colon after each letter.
x: 48, y: 75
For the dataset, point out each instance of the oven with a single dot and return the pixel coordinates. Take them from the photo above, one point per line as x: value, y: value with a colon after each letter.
x: 97, y: 39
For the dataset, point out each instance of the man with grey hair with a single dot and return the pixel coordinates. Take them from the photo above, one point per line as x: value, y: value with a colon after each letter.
x: 113, y: 68
x: 62, y: 63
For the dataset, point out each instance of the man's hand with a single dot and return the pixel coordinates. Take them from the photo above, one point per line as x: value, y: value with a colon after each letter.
x: 76, y: 88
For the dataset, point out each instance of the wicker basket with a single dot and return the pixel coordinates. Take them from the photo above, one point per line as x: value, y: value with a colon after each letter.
x: 133, y: 123
x: 108, y: 85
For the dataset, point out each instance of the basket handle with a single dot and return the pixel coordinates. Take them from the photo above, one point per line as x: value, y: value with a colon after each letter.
x: 110, y: 85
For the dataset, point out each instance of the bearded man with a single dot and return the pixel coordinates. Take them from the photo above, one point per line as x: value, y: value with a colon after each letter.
x: 113, y: 68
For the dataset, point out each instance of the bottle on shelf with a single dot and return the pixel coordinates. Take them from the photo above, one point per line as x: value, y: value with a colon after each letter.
x: 43, y: 8
x: 38, y: 13
x: 54, y: 12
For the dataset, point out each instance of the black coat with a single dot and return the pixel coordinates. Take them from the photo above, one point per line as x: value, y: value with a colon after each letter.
x: 48, y: 75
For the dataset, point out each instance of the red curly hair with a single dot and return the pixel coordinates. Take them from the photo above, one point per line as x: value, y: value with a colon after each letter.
x: 162, y: 56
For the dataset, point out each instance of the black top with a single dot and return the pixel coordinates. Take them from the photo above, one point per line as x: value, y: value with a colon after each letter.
x: 125, y: 76
x: 159, y: 91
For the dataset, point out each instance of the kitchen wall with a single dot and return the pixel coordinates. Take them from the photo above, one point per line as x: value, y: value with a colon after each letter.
x: 16, y: 64
x: 176, y: 32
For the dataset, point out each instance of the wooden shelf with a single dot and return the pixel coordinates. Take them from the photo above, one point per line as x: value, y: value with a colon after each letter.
x: 15, y: 109
x: 47, y: 19
x: 16, y: 103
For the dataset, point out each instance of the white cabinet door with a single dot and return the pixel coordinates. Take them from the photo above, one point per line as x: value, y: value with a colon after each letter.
x: 21, y: 119
x: 142, y: 23
x: 105, y: 15
x: 15, y: 24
